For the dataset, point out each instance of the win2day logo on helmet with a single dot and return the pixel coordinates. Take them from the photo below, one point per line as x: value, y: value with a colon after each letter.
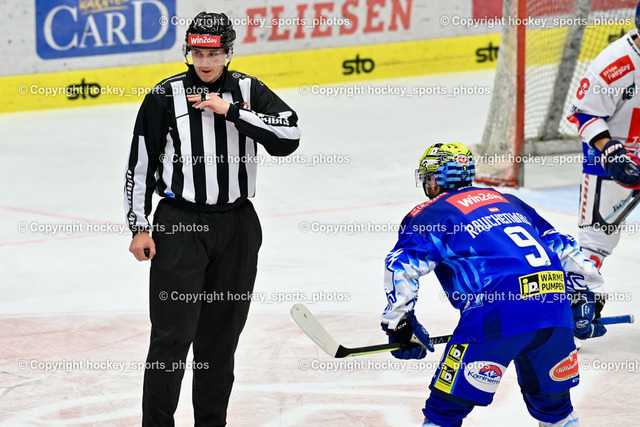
x: 73, y: 28
x: 203, y: 40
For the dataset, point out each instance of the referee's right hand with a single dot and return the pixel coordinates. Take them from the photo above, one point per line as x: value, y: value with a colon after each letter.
x: 139, y: 243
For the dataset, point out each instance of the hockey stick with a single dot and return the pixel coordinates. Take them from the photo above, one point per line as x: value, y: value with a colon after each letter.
x: 612, y: 320
x: 620, y: 214
x: 310, y: 325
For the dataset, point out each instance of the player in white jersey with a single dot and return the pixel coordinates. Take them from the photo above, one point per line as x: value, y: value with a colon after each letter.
x: 606, y: 111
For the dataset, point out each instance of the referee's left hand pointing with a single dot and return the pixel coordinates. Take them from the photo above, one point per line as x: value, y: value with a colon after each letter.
x: 213, y: 102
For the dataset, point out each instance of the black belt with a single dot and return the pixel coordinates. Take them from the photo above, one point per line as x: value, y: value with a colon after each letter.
x: 199, y: 207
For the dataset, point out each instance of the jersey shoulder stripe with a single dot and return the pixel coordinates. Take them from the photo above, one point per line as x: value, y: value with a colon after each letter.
x: 415, y: 211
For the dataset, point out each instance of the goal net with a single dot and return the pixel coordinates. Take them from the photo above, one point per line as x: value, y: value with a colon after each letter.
x: 545, y: 49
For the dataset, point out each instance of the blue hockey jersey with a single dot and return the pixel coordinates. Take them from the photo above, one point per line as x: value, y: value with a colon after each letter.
x: 504, y: 267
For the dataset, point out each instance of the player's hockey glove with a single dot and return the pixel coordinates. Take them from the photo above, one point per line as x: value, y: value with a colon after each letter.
x: 623, y: 166
x: 413, y: 337
x: 586, y: 307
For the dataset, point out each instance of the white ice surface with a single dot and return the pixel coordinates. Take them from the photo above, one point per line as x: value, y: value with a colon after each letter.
x: 81, y: 297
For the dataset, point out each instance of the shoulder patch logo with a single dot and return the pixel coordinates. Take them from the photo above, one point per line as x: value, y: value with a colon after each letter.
x: 583, y: 89
x: 617, y: 69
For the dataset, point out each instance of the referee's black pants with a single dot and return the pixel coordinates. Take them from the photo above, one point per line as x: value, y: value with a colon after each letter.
x: 213, y: 255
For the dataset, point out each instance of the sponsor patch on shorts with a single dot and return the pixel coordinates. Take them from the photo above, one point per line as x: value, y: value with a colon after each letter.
x: 565, y: 369
x: 484, y: 375
x: 450, y: 367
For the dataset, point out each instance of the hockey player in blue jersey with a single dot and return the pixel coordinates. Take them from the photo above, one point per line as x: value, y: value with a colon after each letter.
x: 510, y: 274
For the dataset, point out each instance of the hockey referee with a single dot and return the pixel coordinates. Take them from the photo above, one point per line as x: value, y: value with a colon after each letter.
x: 195, y: 144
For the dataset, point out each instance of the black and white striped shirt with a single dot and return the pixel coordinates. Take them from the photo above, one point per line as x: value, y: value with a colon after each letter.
x: 199, y: 157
